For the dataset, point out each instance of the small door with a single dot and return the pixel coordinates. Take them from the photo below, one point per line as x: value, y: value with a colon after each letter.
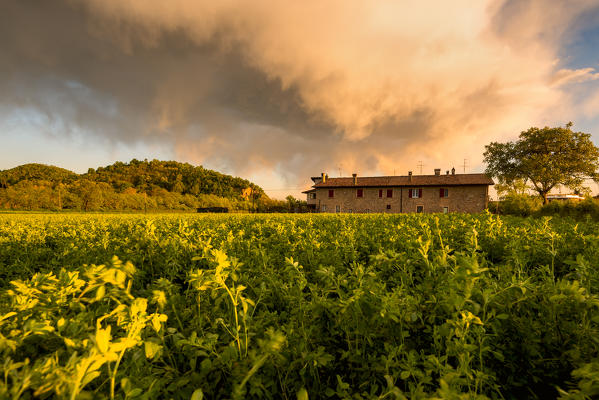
x: 337, y: 208
x: 445, y: 210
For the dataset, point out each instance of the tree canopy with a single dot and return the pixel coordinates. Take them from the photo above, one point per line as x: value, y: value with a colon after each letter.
x: 544, y: 158
x: 137, y: 185
x: 32, y: 172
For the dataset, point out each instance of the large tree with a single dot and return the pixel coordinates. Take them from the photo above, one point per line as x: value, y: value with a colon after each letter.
x: 545, y: 157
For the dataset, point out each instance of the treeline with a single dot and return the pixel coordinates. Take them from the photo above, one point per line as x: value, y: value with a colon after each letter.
x: 134, y: 186
x: 524, y: 205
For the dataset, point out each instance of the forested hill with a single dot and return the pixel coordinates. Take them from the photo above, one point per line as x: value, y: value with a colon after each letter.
x: 34, y: 172
x: 172, y: 176
x: 137, y: 185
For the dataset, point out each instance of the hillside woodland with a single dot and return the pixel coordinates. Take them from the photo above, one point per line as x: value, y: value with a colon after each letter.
x: 135, y: 186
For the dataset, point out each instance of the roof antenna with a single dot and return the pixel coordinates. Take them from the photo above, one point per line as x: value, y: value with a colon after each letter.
x: 420, y: 165
x: 465, y: 164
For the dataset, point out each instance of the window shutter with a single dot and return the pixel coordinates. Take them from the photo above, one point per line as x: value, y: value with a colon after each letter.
x: 420, y: 193
x: 442, y: 192
x: 410, y: 193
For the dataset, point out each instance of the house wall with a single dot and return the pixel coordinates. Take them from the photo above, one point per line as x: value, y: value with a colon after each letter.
x: 460, y: 199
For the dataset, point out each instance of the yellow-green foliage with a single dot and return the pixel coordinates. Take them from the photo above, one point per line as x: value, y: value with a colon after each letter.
x: 298, y: 306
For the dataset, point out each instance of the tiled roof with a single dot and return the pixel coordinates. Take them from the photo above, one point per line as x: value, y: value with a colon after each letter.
x: 417, y: 180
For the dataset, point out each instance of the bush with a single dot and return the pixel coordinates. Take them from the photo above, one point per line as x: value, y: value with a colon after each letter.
x: 588, y: 208
x: 521, y: 205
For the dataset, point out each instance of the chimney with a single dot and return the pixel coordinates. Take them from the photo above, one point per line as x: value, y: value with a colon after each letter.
x: 437, y: 171
x: 324, y: 178
x: 453, y: 171
x: 355, y: 176
x: 410, y: 176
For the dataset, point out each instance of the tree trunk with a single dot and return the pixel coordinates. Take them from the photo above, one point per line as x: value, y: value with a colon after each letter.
x: 544, y: 194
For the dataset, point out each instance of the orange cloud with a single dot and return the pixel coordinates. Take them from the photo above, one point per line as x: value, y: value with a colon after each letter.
x: 375, y: 86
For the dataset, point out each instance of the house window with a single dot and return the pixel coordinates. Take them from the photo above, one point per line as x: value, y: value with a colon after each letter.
x: 350, y: 211
x: 331, y: 193
x: 380, y: 192
x: 388, y: 206
x: 360, y: 192
x: 414, y: 193
x: 443, y: 192
x: 419, y: 209
x: 337, y: 209
x: 445, y: 210
x: 324, y: 208
x: 389, y: 192
x: 367, y: 211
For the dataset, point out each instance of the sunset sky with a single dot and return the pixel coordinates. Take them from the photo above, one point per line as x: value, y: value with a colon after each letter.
x: 278, y: 91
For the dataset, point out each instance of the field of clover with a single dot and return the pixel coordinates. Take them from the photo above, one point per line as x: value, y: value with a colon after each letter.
x: 186, y: 306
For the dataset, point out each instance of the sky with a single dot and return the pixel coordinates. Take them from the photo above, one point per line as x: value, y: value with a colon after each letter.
x: 277, y: 92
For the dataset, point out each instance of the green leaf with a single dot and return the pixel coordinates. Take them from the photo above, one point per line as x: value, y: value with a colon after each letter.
x: 302, y: 394
x: 103, y: 339
x: 90, y: 376
x: 197, y: 395
x: 8, y: 315
x: 152, y: 349
x: 134, y: 393
x: 126, y: 384
x: 157, y: 320
x: 100, y: 292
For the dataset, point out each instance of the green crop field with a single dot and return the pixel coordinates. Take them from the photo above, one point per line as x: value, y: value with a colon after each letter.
x: 298, y: 306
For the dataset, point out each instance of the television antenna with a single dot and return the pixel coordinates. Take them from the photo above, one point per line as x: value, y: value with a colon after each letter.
x: 465, y: 165
x: 420, y: 165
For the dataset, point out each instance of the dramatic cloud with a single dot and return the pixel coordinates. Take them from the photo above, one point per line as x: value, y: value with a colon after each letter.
x: 565, y: 76
x: 293, y: 87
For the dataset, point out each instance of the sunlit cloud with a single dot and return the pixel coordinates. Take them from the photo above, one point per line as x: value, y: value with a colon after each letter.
x: 565, y: 76
x: 297, y: 87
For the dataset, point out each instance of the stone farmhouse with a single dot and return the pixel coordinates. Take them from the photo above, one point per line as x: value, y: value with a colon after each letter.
x: 436, y: 193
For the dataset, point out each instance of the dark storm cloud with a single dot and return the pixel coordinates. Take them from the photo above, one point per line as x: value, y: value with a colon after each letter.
x: 275, y: 86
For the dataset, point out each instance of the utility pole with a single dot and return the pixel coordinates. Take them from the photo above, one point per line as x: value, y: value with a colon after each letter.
x: 145, y: 194
x: 59, y: 187
x: 420, y: 165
